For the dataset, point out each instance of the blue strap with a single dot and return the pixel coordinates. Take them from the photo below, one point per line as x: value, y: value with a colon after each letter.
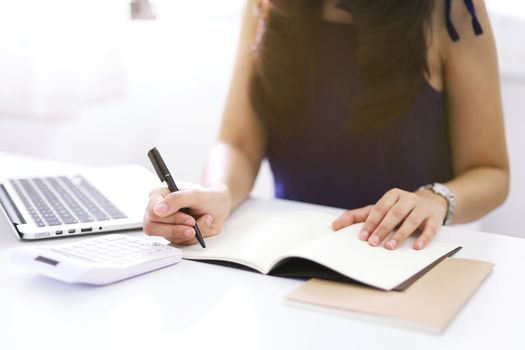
x: 475, y: 22
x: 452, y: 32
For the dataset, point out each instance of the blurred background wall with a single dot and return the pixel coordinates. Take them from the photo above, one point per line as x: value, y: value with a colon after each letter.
x: 82, y: 82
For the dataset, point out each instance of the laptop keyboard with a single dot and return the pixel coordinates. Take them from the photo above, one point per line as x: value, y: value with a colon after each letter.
x: 54, y: 201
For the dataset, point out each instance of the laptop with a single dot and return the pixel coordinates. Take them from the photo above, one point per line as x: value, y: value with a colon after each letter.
x: 94, y: 200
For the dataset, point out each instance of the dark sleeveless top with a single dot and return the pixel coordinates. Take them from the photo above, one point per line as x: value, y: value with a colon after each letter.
x: 326, y: 165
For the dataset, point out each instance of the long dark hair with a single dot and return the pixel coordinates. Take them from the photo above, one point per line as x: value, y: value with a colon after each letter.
x: 392, y: 44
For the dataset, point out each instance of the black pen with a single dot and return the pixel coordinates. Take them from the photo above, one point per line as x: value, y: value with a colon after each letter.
x: 164, y: 175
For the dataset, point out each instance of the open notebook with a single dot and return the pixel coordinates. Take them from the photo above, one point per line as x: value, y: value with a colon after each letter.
x: 302, y: 244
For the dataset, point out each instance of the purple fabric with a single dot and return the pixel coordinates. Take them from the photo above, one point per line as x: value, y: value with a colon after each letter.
x: 326, y: 165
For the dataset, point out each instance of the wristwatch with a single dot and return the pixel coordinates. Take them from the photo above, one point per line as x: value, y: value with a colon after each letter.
x: 445, y: 192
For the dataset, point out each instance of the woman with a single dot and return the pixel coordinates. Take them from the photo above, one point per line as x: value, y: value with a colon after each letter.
x: 388, y: 108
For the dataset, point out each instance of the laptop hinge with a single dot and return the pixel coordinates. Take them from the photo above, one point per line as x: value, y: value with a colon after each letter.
x: 10, y: 207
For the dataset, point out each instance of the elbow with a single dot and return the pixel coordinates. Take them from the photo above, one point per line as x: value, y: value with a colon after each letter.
x: 506, y: 190
x: 504, y: 187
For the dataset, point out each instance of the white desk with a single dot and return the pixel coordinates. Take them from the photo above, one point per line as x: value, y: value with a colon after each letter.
x: 197, y: 305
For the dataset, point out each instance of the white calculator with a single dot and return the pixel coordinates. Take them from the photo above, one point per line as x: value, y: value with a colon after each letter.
x: 100, y: 260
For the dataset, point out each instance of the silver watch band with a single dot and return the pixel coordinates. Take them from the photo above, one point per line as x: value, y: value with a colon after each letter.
x: 449, y: 196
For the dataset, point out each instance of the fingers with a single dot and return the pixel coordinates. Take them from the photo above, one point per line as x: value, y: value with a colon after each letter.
x: 155, y: 197
x: 404, y: 210
x: 205, y: 224
x: 180, y: 234
x: 177, y: 218
x: 378, y: 213
x: 175, y: 201
x: 351, y: 217
x: 393, y: 218
x: 430, y: 230
x: 171, y: 232
x: 411, y: 223
x: 163, y: 206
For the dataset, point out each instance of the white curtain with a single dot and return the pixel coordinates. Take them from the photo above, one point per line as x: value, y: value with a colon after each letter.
x: 56, y: 55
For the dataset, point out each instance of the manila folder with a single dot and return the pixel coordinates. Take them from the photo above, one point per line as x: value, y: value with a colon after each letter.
x: 430, y: 303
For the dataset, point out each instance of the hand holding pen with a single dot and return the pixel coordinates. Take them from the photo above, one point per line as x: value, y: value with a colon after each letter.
x: 165, y: 175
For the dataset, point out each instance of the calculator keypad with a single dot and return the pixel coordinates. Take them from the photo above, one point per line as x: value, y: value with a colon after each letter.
x: 118, y: 249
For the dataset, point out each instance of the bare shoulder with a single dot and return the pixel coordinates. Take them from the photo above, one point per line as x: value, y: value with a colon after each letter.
x: 461, y: 16
x: 461, y: 19
x: 445, y: 54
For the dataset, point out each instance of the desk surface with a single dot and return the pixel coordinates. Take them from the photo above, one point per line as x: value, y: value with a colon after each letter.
x: 198, y: 305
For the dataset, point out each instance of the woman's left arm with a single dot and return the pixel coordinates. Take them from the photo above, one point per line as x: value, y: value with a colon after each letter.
x: 476, y: 119
x: 480, y: 161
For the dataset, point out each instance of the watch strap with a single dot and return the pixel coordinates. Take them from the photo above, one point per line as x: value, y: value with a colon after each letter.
x: 448, y: 195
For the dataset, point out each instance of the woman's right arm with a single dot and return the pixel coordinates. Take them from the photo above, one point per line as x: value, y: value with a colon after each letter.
x: 232, y: 165
x: 235, y: 159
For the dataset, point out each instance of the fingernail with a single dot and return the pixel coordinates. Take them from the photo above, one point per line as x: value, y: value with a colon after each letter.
x: 363, y: 235
x: 391, y: 244
x: 374, y: 240
x: 188, y: 232
x: 419, y: 245
x: 209, y: 220
x: 160, y: 209
x: 189, y: 222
